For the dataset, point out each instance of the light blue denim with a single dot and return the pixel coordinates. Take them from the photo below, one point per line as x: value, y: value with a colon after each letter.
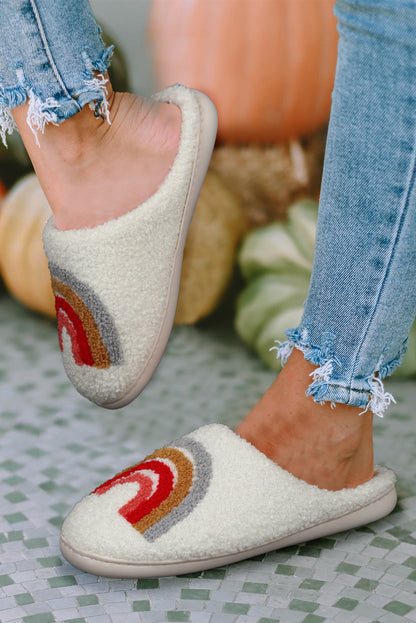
x: 51, y: 55
x: 362, y: 296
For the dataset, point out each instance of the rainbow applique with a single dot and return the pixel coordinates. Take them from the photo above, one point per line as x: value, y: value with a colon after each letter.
x: 80, y: 312
x: 172, y: 482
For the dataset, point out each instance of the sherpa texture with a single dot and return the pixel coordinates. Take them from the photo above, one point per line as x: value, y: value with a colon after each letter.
x: 128, y: 264
x: 247, y: 500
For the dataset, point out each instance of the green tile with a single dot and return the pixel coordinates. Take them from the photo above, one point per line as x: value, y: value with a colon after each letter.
x: 383, y: 543
x: 214, y: 574
x: 48, y: 486
x: 62, y: 580
x: 15, y: 497
x: 56, y: 521
x: 75, y: 447
x: 147, y: 584
x: 5, y: 580
x: 35, y: 452
x: 412, y: 576
x: 26, y: 387
x: 303, y: 606
x: 44, y: 617
x: 313, y: 618
x: 346, y: 567
x: 195, y: 593
x: 50, y: 561
x: 142, y: 605
x: 15, y: 535
x: 325, y: 543
x: 255, y: 587
x: 63, y: 423
x: 15, y: 517
x: 35, y: 543
x: 29, y: 428
x: 366, y: 584
x: 287, y: 552
x: 3, y: 538
x: 267, y: 620
x: 285, y: 570
x: 13, y: 481
x: 398, y: 607
x: 408, y: 539
x: 346, y: 604
x: 23, y: 599
x: 310, y: 551
x: 47, y: 410
x: 398, y: 532
x: 10, y: 466
x: 51, y: 472
x: 80, y: 620
x: 367, y: 529
x: 312, y: 585
x: 87, y: 600
x: 9, y: 415
x: 233, y: 608
x: 177, y: 615
x: 60, y: 507
x: 410, y: 562
x: 411, y: 525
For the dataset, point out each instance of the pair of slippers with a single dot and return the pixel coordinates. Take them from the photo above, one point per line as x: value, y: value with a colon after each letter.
x: 209, y: 498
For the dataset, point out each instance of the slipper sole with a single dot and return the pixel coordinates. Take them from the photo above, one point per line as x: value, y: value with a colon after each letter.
x: 374, y: 511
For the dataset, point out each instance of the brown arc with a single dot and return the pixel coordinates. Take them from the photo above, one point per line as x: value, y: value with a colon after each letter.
x: 185, y: 471
x: 98, y: 350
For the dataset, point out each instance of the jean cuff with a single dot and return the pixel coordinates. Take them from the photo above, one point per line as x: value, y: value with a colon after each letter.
x: 327, y: 382
x: 45, y: 110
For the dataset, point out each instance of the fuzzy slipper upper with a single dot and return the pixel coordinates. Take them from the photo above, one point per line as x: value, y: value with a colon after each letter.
x: 206, y: 495
x: 116, y: 284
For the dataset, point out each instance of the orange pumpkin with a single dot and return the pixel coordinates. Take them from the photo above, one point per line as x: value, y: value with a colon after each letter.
x: 23, y: 263
x: 267, y: 64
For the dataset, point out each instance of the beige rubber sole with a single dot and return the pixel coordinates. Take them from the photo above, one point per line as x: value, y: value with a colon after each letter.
x: 127, y: 569
x: 207, y: 136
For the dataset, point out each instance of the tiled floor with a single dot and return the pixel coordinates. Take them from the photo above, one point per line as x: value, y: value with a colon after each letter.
x: 55, y: 447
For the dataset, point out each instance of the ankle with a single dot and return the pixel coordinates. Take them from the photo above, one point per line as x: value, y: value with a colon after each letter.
x: 68, y: 137
x: 328, y: 447
x: 85, y: 160
x: 331, y: 451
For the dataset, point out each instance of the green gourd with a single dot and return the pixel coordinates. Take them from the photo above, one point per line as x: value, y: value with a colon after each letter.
x: 276, y: 261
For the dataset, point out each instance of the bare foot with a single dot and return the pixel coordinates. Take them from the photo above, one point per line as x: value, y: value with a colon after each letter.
x: 331, y: 448
x: 92, y: 171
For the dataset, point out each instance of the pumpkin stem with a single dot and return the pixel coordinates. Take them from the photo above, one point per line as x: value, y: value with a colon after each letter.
x: 300, y: 167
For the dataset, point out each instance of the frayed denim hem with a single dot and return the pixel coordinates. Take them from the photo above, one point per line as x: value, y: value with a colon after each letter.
x: 325, y: 386
x: 42, y: 111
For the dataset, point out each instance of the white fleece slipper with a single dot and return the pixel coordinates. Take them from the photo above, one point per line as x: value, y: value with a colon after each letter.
x: 206, y: 500
x: 116, y: 285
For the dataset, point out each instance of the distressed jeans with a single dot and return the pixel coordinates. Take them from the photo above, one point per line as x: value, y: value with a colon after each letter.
x: 51, y: 55
x: 362, y: 297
